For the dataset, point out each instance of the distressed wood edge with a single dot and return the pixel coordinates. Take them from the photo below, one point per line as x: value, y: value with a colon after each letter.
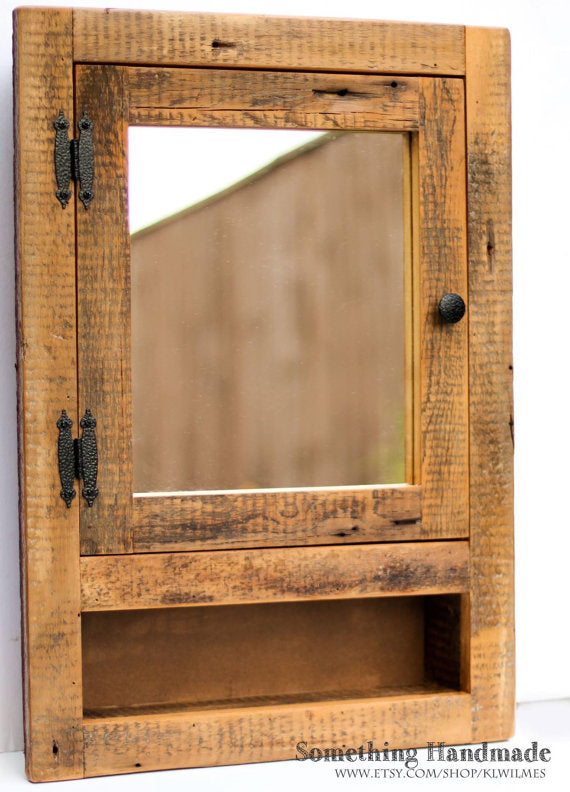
x: 492, y: 643
x: 227, y: 737
x: 58, y: 60
x: 108, y: 35
x: 226, y: 577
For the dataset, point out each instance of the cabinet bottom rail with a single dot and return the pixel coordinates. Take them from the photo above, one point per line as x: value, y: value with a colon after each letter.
x: 200, y: 738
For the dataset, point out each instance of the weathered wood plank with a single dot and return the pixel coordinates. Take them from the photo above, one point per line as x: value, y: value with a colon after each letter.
x: 46, y: 361
x: 443, y: 347
x: 274, y: 518
x: 243, y: 41
x: 220, y: 577
x: 104, y: 310
x: 490, y: 382
x: 197, y: 738
x: 231, y: 97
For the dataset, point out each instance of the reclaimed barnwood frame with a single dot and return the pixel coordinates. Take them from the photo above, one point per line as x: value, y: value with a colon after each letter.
x: 57, y: 583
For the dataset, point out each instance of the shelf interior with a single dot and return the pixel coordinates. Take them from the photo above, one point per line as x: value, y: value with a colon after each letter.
x: 173, y: 659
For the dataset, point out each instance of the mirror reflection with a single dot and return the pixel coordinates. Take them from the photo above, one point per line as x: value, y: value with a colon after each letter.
x: 267, y: 271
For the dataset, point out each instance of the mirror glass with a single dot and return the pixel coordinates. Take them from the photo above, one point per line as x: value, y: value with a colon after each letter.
x: 267, y: 274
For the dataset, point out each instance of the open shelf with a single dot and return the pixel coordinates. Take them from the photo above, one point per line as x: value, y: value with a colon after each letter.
x: 203, y: 685
x: 203, y: 658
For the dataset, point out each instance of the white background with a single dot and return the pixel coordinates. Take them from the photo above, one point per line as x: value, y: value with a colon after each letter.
x: 541, y: 216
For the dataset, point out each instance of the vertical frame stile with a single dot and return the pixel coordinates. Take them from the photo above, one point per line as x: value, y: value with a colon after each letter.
x: 47, y: 384
x: 443, y: 353
x: 104, y: 310
x: 490, y: 379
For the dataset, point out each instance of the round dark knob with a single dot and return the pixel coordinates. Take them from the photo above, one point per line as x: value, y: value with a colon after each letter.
x: 451, y: 308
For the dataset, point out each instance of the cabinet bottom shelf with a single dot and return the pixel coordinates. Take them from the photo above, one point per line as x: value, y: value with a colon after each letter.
x: 311, y: 697
x: 228, y: 684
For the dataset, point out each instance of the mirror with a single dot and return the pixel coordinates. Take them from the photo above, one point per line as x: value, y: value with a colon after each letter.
x: 267, y: 308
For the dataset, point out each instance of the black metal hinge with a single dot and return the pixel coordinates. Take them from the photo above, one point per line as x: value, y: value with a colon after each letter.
x: 74, y: 159
x: 77, y: 458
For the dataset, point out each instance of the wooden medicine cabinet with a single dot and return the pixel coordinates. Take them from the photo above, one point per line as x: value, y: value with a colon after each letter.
x: 264, y: 359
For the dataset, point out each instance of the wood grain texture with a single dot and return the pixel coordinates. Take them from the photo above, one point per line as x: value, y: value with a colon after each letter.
x: 104, y: 309
x: 243, y: 41
x: 219, y: 737
x: 220, y: 577
x: 443, y: 347
x: 227, y: 97
x: 46, y: 362
x: 490, y: 377
x: 276, y: 518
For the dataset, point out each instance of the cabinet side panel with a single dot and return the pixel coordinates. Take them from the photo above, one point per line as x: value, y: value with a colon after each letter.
x: 46, y: 360
x: 443, y: 347
x: 490, y: 382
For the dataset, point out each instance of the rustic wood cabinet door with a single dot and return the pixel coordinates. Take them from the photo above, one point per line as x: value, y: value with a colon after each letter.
x: 431, y: 502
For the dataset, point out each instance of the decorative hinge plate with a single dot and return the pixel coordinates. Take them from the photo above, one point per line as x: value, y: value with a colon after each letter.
x: 77, y: 458
x: 74, y: 159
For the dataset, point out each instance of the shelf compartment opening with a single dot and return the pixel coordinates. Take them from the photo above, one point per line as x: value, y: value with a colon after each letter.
x: 176, y: 659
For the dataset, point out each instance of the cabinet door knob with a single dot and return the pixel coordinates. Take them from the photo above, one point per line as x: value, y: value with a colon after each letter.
x: 451, y: 308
